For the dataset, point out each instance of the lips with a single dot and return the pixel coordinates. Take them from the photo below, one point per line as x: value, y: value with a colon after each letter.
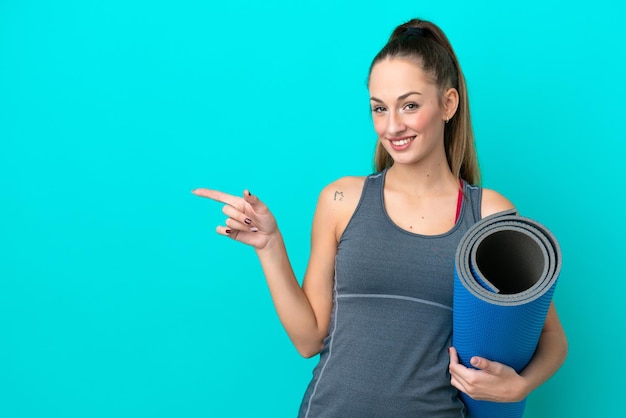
x: 401, y: 143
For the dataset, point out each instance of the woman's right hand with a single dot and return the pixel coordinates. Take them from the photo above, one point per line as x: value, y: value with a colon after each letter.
x: 249, y: 220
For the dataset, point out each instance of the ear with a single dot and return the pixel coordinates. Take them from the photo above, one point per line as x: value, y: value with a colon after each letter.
x: 450, y: 101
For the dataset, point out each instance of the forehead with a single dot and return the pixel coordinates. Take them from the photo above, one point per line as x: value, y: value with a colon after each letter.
x: 394, y: 77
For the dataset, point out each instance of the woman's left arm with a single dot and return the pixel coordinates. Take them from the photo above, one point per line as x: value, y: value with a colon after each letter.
x: 497, y: 382
x: 550, y: 353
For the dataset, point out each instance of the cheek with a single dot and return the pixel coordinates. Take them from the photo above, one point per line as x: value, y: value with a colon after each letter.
x: 423, y: 121
x: 380, y: 125
x: 419, y: 121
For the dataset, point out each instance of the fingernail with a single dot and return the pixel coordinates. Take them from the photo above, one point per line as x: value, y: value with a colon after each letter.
x: 247, y: 221
x: 228, y: 231
x: 249, y: 194
x: 254, y: 229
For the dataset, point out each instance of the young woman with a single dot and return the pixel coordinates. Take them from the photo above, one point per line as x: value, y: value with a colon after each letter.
x: 376, y: 298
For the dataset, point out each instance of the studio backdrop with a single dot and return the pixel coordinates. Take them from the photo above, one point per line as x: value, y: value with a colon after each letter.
x: 117, y: 298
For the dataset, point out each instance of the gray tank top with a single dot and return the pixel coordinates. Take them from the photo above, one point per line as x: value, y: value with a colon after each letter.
x: 386, y: 354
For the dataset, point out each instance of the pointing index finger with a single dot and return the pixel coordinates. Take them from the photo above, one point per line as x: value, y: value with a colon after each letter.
x: 217, y: 196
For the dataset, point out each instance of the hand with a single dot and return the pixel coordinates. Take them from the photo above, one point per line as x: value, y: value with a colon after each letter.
x: 493, y: 381
x: 249, y: 221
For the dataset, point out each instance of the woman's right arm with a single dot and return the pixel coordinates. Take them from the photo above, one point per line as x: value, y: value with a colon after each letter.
x: 304, y: 311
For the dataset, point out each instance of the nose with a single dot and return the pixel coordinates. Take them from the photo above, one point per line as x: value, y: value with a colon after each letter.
x: 396, y: 124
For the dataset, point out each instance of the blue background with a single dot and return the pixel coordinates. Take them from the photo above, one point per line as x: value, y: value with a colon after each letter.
x: 117, y: 299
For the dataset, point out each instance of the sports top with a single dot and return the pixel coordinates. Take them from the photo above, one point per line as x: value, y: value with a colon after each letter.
x: 386, y: 354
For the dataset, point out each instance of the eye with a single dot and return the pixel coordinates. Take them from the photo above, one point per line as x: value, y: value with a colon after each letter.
x: 411, y: 106
x: 378, y: 109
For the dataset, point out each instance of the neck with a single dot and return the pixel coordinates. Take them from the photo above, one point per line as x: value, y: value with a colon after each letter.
x: 422, y: 180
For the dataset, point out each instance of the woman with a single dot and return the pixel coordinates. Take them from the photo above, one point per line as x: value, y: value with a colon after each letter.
x: 376, y: 298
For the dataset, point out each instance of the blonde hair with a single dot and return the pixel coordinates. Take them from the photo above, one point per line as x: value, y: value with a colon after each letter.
x: 425, y: 43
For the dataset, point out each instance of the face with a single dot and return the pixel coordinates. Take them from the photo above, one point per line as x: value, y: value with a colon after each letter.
x: 407, y: 111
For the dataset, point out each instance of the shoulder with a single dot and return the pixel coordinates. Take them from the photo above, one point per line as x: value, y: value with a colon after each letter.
x: 493, y: 202
x: 343, y: 189
x: 342, y: 194
x: 338, y: 201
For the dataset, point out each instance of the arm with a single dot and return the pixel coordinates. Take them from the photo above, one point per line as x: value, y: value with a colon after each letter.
x: 550, y: 353
x: 304, y: 311
x: 495, y: 381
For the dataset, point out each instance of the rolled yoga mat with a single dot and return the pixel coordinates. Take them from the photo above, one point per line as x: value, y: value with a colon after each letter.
x: 506, y: 269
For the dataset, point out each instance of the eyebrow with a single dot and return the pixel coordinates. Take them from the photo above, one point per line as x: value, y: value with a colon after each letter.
x: 402, y: 97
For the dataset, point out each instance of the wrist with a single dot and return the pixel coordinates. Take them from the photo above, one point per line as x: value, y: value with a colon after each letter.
x: 522, y: 389
x: 274, y: 242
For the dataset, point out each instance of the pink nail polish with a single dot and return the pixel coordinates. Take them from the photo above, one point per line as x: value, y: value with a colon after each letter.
x: 254, y: 229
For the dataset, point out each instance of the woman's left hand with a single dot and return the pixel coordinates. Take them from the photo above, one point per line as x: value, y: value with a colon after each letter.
x: 490, y: 381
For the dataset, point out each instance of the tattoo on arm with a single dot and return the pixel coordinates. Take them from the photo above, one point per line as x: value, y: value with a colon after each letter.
x: 338, y: 195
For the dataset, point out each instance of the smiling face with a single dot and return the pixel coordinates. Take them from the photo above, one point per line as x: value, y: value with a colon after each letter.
x: 408, y: 111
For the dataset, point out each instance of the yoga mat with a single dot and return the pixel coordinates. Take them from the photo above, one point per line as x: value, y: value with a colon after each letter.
x: 506, y: 269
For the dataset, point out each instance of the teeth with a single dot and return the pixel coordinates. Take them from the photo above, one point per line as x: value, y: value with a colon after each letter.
x: 402, y: 142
